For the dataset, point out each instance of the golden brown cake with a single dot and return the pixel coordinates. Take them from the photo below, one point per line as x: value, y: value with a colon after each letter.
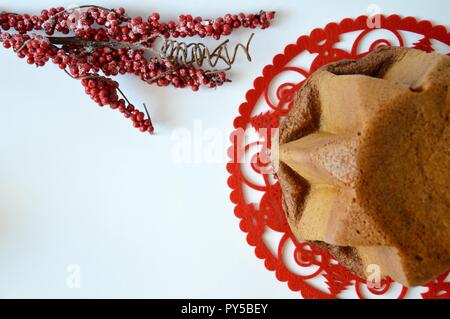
x: 365, y: 163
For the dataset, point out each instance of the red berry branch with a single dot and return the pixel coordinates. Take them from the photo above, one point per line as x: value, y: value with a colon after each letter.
x: 94, y: 40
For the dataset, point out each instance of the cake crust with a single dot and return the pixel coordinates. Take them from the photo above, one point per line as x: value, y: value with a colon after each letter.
x: 305, y: 119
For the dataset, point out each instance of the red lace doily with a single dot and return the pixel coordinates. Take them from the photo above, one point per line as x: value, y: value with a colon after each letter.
x: 257, y: 196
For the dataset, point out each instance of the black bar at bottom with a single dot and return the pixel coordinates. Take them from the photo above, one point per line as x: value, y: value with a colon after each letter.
x: 215, y: 308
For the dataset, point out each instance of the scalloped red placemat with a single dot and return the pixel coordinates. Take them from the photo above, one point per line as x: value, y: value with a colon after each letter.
x: 321, y: 275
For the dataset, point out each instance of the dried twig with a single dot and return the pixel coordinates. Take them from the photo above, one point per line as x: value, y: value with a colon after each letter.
x: 178, y: 53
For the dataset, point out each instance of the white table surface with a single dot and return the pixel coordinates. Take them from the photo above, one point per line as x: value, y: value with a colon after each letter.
x: 79, y: 186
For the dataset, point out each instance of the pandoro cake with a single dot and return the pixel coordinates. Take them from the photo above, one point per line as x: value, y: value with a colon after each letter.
x: 364, y: 163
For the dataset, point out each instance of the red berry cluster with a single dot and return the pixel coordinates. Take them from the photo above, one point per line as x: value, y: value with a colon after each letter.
x: 100, y: 24
x: 111, y: 42
x: 164, y: 74
x: 125, y: 61
x: 104, y: 91
x: 35, y: 48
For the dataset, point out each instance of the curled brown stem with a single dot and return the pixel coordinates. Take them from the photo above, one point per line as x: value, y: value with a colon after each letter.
x: 188, y: 54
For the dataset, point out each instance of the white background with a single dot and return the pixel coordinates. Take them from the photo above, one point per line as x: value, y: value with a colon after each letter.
x: 79, y: 185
